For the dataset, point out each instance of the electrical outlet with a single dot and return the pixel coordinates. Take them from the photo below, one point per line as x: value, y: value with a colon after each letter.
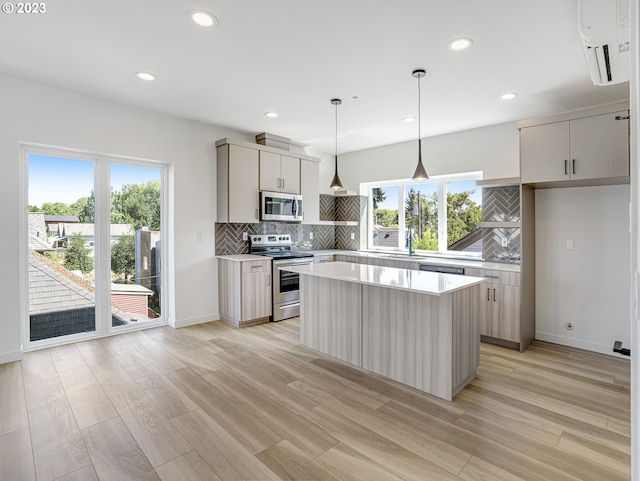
x: 199, y: 237
x: 353, y: 236
x: 505, y: 242
x: 569, y: 244
x: 569, y: 326
x: 310, y: 235
x: 245, y: 236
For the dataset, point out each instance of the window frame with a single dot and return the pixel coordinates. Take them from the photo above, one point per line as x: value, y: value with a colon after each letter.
x: 403, y: 185
x: 102, y: 254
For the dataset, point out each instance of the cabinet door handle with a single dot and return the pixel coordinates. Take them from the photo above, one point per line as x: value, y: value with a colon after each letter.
x: 494, y: 295
x: 283, y: 183
x: 566, y: 172
x: 488, y: 294
x: 268, y: 280
x: 573, y: 166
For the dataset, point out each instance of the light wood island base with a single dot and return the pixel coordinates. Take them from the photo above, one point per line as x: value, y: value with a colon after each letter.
x: 430, y: 342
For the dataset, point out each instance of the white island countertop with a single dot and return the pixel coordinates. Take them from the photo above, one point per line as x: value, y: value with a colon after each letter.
x: 431, y: 283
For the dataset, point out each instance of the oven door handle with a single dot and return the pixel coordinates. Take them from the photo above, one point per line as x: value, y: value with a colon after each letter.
x: 287, y: 306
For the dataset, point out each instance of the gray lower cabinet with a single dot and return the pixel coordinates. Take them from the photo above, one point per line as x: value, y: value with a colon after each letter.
x: 500, y: 305
x: 244, y: 291
x: 322, y: 258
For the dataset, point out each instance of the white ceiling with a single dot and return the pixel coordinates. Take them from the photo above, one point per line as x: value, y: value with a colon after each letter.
x: 293, y: 56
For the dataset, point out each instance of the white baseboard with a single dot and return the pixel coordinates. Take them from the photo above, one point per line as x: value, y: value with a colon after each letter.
x: 578, y: 343
x: 10, y: 357
x: 178, y: 323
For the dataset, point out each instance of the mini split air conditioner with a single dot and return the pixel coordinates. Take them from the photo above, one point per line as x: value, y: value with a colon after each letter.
x: 604, y: 27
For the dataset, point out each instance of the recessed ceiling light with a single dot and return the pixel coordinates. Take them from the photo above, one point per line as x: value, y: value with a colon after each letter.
x: 145, y: 76
x: 508, y: 96
x: 460, y: 44
x: 409, y: 119
x: 203, y: 19
x: 271, y: 115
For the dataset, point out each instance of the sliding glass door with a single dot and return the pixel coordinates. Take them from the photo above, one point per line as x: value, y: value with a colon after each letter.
x: 135, y: 244
x: 60, y: 242
x: 93, y: 243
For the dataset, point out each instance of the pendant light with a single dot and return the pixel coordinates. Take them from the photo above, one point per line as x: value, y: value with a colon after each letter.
x: 336, y: 183
x: 421, y: 172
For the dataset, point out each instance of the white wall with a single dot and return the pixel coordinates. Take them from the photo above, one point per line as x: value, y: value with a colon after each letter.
x: 35, y: 113
x: 494, y: 150
x: 589, y: 285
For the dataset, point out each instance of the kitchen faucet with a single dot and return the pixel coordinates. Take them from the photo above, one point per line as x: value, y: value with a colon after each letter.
x: 410, y: 242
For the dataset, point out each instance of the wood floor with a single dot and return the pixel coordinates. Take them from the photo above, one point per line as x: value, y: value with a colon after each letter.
x: 213, y: 403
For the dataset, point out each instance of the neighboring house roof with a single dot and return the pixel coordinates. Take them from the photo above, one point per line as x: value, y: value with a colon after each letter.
x: 61, y: 218
x: 472, y: 242
x: 38, y: 244
x: 52, y: 288
x: 88, y: 230
x: 385, y: 236
x: 38, y: 233
x: 130, y: 289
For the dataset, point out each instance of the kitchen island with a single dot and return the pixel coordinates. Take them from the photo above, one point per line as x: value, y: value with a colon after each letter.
x: 418, y: 328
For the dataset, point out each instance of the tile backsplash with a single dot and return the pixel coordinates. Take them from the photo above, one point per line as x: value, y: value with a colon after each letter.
x: 498, y: 204
x: 342, y: 208
x: 229, y: 236
x: 501, y: 204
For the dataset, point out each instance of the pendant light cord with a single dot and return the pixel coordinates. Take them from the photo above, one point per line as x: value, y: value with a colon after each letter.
x: 336, y: 150
x: 419, y: 116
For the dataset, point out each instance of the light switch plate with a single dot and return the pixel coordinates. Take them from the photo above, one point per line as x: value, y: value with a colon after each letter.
x: 353, y: 236
x: 505, y: 242
x: 311, y: 235
x: 245, y: 236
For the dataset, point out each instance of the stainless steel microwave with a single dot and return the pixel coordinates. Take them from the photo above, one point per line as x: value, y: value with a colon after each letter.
x: 280, y: 206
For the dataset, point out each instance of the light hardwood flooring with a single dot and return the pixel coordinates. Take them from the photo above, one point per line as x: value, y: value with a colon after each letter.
x: 210, y: 402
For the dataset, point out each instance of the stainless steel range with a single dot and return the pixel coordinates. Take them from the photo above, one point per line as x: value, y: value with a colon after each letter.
x: 286, y: 285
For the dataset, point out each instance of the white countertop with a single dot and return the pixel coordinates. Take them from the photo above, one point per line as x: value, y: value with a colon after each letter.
x: 243, y: 258
x: 430, y: 283
x: 432, y: 260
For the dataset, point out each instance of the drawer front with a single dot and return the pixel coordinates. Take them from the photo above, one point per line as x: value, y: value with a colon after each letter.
x: 510, y: 278
x: 256, y: 266
x: 323, y: 258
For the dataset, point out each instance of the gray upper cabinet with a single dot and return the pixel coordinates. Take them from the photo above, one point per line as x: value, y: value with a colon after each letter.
x: 237, y: 179
x: 310, y: 190
x: 279, y: 173
x: 244, y: 169
x: 593, y: 149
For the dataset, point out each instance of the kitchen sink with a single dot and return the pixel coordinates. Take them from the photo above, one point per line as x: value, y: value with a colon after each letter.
x: 401, y: 256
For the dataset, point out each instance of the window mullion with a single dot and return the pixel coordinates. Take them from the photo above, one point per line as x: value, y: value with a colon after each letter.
x: 102, y: 246
x: 442, y: 216
x: 401, y: 217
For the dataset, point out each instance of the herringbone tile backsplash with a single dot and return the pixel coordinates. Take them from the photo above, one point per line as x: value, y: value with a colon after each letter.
x: 229, y: 236
x: 501, y: 204
x: 498, y: 204
x: 348, y: 208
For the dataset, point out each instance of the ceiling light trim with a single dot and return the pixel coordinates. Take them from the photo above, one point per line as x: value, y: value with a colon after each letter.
x: 146, y: 76
x: 203, y: 19
x: 460, y: 44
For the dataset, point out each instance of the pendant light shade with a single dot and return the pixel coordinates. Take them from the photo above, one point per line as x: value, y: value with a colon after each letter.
x: 336, y: 183
x: 420, y: 172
